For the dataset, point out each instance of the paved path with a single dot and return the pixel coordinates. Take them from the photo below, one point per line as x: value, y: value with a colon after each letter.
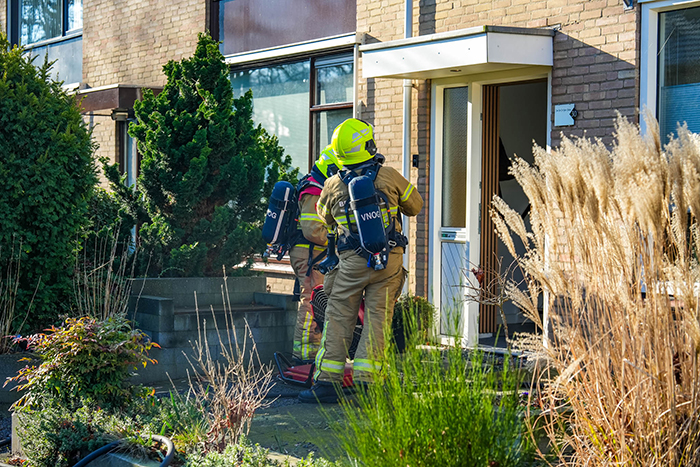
x: 296, y: 429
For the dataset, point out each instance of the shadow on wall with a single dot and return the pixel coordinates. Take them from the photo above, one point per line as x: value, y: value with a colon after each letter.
x: 426, y: 12
x: 597, y: 83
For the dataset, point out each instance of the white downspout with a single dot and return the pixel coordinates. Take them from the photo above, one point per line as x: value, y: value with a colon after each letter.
x: 356, y: 108
x: 407, y: 89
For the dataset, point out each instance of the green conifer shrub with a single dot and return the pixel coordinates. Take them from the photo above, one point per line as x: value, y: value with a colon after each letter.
x: 206, y: 170
x: 47, y: 176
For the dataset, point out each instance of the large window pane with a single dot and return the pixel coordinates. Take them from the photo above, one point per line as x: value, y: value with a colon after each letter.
x: 679, y: 69
x: 39, y: 20
x: 454, y: 158
x: 334, y: 84
x: 281, y: 104
x: 325, y: 123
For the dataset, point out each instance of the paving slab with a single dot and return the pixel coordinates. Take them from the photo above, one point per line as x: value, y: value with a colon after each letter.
x: 291, y: 428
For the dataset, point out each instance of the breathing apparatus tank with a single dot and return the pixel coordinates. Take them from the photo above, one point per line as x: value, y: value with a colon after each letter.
x: 365, y: 204
x: 280, y: 212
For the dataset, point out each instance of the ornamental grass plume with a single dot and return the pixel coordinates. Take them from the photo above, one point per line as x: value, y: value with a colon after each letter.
x: 621, y: 279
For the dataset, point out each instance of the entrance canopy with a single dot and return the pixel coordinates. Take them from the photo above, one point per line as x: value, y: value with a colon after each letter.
x: 467, y: 51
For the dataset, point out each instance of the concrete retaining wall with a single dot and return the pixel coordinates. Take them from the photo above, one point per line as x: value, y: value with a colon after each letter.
x: 166, y: 311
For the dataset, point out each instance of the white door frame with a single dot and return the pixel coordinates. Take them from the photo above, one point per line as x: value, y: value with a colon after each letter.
x: 475, y: 83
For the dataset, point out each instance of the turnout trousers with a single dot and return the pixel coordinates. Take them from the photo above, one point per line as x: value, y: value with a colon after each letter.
x: 306, y: 337
x: 352, y: 282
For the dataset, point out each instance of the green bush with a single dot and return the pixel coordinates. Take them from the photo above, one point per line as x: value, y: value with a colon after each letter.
x: 107, y: 219
x: 245, y: 455
x: 419, y: 325
x: 47, y: 174
x: 86, y: 361
x: 431, y: 407
x: 58, y: 437
x: 206, y: 170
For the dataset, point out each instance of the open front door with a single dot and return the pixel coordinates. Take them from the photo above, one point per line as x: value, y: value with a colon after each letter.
x: 489, y: 187
x: 514, y: 115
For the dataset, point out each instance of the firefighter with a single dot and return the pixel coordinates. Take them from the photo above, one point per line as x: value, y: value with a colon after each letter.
x: 358, y: 275
x: 308, y: 249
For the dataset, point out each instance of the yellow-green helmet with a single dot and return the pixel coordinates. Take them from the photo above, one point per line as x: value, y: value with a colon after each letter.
x: 353, y: 142
x: 327, y: 163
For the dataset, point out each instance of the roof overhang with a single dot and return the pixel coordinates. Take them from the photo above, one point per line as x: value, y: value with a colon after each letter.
x: 115, y: 96
x: 467, y: 51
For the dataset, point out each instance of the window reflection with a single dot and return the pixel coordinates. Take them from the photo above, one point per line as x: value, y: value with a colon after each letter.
x: 280, y: 104
x: 75, y: 15
x: 325, y: 124
x: 39, y: 20
x: 679, y: 69
x: 334, y: 84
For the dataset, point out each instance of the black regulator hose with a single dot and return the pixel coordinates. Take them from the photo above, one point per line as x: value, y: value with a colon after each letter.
x: 113, y: 445
x: 331, y: 260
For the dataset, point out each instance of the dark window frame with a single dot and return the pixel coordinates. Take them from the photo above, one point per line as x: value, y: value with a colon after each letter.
x: 345, y: 55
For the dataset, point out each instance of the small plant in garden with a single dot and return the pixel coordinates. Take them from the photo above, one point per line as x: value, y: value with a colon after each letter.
x: 59, y: 437
x: 232, y: 386
x: 47, y: 174
x: 422, y: 317
x: 614, y: 242
x: 433, y: 407
x: 206, y: 170
x: 181, y: 418
x: 85, y: 361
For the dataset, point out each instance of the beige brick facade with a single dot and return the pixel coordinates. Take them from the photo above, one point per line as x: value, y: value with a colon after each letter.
x: 595, y: 68
x: 104, y: 134
x: 280, y: 283
x: 129, y: 42
x: 3, y: 18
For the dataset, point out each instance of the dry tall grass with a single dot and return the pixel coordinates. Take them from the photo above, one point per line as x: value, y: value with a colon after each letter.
x: 622, y: 274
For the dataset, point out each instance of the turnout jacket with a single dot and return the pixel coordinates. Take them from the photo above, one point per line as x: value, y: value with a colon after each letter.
x: 401, y: 194
x: 311, y: 224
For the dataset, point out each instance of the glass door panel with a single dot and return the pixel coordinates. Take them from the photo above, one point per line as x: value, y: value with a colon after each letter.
x: 454, y: 248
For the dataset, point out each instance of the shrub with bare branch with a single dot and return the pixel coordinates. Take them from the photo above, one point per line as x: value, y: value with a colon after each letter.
x: 101, y: 284
x: 491, y: 288
x: 614, y: 243
x: 231, y: 386
x: 10, y: 264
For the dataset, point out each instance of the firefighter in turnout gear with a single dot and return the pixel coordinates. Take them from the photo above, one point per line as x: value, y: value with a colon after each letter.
x: 308, y: 249
x: 364, y: 271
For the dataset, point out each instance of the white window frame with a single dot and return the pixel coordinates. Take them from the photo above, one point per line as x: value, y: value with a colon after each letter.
x: 648, y: 73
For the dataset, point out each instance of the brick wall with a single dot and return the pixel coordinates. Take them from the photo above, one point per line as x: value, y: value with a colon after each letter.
x: 595, y: 67
x: 129, y: 42
x: 104, y: 134
x: 3, y: 18
x: 280, y: 283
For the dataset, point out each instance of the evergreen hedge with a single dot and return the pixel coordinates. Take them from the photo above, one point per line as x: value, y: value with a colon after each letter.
x: 47, y: 176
